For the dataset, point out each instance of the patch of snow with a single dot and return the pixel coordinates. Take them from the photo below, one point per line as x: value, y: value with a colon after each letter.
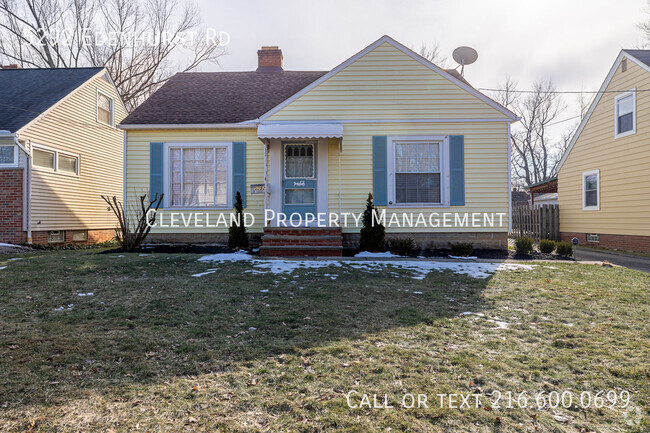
x: 9, y: 245
x: 143, y: 255
x: 209, y: 271
x: 62, y: 308
x: 500, y: 324
x: 85, y: 294
x: 255, y: 250
x: 15, y: 258
x: 226, y: 257
x: 419, y: 269
x: 252, y: 328
x: 264, y: 291
x: 551, y: 267
x: 417, y: 293
x: 2, y: 267
x: 463, y: 257
x: 376, y: 255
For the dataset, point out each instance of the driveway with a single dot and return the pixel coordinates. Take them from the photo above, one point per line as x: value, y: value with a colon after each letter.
x: 640, y: 263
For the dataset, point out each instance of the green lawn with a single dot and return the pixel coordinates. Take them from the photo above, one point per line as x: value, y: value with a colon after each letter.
x: 155, y: 349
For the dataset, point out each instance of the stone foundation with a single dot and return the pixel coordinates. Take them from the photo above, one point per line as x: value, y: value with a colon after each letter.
x: 619, y: 242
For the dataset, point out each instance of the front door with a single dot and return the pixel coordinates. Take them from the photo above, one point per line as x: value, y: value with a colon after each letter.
x: 299, y: 179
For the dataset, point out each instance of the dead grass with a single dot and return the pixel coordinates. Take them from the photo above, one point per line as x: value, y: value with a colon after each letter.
x: 156, y: 350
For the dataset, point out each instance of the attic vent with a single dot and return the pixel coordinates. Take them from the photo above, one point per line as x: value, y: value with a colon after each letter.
x: 624, y: 65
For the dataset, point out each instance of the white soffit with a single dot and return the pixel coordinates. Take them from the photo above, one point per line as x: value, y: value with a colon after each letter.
x: 301, y: 130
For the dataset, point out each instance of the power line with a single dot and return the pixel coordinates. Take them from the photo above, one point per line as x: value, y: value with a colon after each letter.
x: 484, y: 89
x: 564, y: 120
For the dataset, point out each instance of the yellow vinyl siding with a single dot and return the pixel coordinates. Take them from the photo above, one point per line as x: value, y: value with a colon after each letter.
x: 62, y: 201
x: 386, y: 84
x: 486, y: 169
x: 137, y: 169
x: 624, y: 165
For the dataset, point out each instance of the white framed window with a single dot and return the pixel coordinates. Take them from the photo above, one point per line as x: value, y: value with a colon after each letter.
x: 49, y: 159
x: 591, y: 190
x: 8, y: 155
x: 593, y: 238
x: 56, y: 236
x: 625, y: 114
x: 198, y: 175
x: 105, y: 108
x: 418, y: 169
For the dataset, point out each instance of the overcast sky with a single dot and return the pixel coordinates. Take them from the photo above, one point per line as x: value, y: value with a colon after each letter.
x: 573, y: 42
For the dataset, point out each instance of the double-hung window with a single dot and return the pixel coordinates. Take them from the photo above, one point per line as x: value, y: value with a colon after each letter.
x: 591, y: 190
x: 8, y: 155
x: 418, y: 168
x: 625, y: 114
x: 105, y: 107
x: 198, y: 175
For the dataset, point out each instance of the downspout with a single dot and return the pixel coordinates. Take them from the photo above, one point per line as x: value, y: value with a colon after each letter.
x: 340, y: 145
x: 509, y: 182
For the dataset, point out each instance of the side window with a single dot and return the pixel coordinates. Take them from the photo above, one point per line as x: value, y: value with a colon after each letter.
x: 625, y: 114
x: 591, y: 190
x: 105, y: 107
x: 8, y: 155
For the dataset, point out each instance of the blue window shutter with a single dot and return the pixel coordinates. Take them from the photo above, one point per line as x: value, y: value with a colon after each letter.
x: 155, y: 169
x: 380, y: 170
x: 239, y: 170
x: 457, y: 169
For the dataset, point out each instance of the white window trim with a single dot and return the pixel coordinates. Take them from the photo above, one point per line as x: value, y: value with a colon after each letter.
x: 167, y: 179
x: 444, y: 170
x: 11, y: 164
x: 112, y: 124
x: 584, y: 192
x: 56, y: 153
x: 632, y: 93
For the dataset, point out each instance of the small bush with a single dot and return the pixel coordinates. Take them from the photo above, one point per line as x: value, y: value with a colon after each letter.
x: 564, y: 249
x: 372, y: 235
x: 546, y: 246
x: 401, y: 246
x: 237, y: 235
x: 462, y: 249
x: 523, y: 246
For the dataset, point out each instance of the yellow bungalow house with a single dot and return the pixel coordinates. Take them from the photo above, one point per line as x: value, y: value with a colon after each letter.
x: 304, y: 148
x: 603, y: 174
x: 60, y: 151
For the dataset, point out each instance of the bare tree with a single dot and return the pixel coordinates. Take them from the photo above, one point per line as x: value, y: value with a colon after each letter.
x: 432, y: 53
x: 645, y: 27
x: 134, y: 226
x: 534, y: 153
x: 142, y: 43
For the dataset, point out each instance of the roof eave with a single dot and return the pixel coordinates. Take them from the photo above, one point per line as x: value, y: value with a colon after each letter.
x: 249, y: 124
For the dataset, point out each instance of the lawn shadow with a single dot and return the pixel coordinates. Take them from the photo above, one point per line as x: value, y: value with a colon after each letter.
x: 149, y: 320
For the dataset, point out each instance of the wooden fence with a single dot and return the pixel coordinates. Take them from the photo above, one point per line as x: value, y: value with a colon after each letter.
x: 537, y: 222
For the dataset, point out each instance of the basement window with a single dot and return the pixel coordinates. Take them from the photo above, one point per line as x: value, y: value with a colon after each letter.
x: 593, y: 238
x: 56, y: 236
x: 80, y: 235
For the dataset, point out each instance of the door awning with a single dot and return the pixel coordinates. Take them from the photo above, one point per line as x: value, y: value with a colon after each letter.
x: 301, y: 130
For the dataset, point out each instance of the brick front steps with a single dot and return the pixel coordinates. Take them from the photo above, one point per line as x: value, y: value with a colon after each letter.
x: 308, y: 241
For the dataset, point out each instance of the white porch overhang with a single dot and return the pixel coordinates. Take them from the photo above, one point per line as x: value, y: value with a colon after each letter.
x: 300, y: 131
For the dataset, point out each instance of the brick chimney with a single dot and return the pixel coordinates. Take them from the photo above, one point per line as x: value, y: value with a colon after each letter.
x: 12, y: 66
x: 269, y: 59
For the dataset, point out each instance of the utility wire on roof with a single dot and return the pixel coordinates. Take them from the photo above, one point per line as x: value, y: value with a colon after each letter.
x: 563, y: 91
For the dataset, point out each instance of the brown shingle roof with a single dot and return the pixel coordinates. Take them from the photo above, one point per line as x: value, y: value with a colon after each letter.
x: 219, y: 97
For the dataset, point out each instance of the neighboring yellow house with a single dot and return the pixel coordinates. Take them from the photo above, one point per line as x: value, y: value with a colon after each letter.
x: 602, y: 191
x: 59, y: 152
x: 385, y: 121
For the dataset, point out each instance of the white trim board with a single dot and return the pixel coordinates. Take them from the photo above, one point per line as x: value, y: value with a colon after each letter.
x: 387, y: 39
x: 594, y: 103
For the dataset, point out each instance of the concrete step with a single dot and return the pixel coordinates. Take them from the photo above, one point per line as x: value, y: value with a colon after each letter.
x: 301, y: 251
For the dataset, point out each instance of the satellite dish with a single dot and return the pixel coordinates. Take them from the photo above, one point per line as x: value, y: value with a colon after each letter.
x: 464, y: 56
